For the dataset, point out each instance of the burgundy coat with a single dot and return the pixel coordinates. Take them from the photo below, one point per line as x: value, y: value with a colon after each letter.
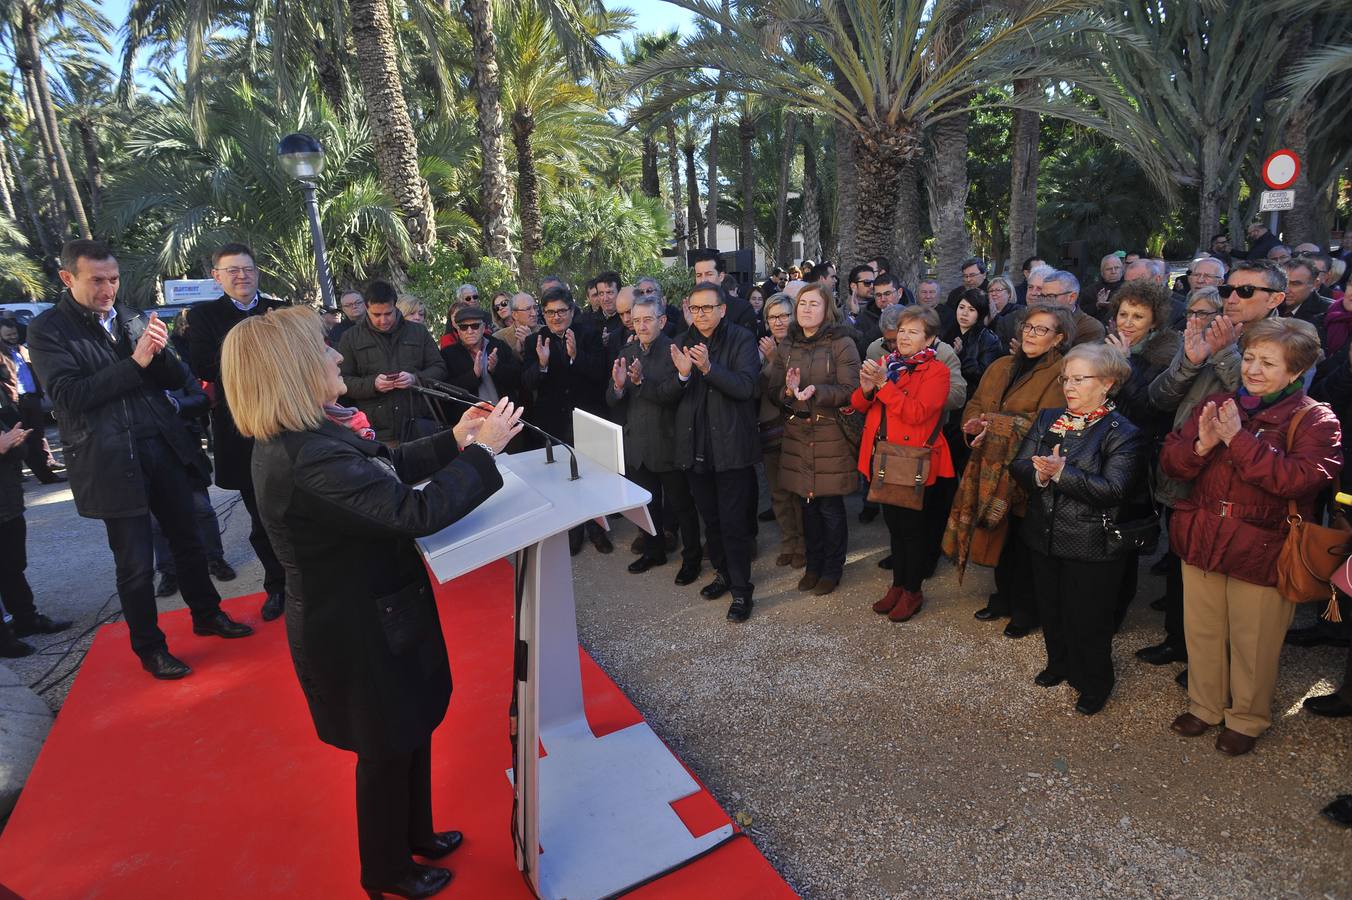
x: 1234, y: 520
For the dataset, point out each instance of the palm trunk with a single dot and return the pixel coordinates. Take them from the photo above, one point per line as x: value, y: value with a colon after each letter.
x: 906, y: 249
x: 59, y: 211
x: 812, y: 211
x: 528, y: 190
x: 711, y: 164
x: 1023, y: 174
x: 329, y: 72
x: 788, y: 150
x: 395, y: 144
x: 6, y: 184
x: 692, y: 196
x: 848, y: 181
x: 677, y: 205
x: 746, y: 133
x: 1209, y: 197
x: 39, y: 228
x: 93, y: 167
x: 47, y: 111
x: 880, y: 157
x: 497, y: 197
x: 651, y: 183
x: 947, y: 185
x: 1301, y: 221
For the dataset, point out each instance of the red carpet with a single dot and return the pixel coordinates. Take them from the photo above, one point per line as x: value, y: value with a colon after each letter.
x: 216, y: 786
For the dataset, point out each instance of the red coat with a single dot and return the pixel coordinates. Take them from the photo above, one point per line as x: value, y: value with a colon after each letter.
x: 1234, y: 520
x: 914, y: 405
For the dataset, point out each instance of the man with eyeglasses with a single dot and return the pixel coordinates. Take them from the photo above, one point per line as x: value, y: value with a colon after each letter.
x: 525, y: 322
x: 565, y: 366
x: 479, y: 362
x: 718, y: 440
x: 1302, y: 300
x: 1220, y: 248
x: 883, y: 291
x: 973, y: 278
x: 234, y: 270
x: 353, y: 307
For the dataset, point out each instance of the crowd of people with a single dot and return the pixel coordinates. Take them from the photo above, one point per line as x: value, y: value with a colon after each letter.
x: 1051, y: 430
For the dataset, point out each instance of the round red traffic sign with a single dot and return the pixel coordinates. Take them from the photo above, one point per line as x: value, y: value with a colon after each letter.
x: 1281, y: 169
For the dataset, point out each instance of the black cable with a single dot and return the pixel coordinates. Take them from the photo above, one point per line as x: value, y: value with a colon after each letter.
x: 73, y: 642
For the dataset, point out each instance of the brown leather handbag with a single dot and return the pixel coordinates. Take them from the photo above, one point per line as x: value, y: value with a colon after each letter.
x: 900, y: 470
x: 1311, y: 553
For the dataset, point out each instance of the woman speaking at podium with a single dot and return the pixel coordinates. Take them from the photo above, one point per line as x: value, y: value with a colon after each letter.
x: 360, y: 617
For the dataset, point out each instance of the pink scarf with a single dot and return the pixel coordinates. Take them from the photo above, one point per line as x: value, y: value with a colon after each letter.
x: 350, y: 418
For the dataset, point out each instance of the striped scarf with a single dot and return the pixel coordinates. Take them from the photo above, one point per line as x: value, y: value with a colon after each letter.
x: 895, y: 363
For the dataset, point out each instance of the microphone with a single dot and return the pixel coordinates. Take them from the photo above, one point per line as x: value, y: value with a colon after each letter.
x: 457, y: 394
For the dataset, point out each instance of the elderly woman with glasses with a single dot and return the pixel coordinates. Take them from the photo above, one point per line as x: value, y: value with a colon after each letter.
x: 777, y: 315
x: 1080, y: 465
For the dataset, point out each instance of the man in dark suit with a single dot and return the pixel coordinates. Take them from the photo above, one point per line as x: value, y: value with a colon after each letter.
x: 479, y: 362
x: 232, y: 265
x: 106, y: 372
x: 1302, y: 299
x: 709, y: 267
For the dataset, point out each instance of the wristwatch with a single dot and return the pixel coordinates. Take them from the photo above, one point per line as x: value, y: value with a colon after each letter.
x: 487, y: 449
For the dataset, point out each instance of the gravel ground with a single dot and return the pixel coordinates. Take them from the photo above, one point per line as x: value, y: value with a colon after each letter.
x: 881, y: 760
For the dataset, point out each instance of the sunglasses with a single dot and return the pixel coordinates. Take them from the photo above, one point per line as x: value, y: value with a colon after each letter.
x: 1244, y: 290
x: 469, y: 326
x: 499, y: 305
x: 474, y: 297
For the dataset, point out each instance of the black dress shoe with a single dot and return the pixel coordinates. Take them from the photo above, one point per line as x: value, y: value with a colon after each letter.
x: 1162, y: 654
x: 1339, y: 812
x: 714, y: 589
x: 13, y: 648
x: 443, y: 843
x: 1181, y: 679
x: 988, y: 614
x: 766, y: 515
x: 1330, y: 706
x: 221, y: 625
x: 1015, y: 630
x: 740, y: 610
x: 602, y: 542
x: 1314, y: 636
x: 167, y: 587
x: 688, y: 573
x: 1087, y: 705
x: 220, y: 570
x: 39, y: 624
x: 1159, y: 603
x: 885, y: 562
x: 164, y: 666
x: 421, y: 881
x: 868, y: 513
x: 274, y: 606
x: 1047, y: 678
x: 644, y: 563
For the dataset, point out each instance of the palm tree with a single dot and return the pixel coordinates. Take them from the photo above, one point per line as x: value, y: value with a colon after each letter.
x: 18, y: 273
x: 590, y: 231
x: 788, y: 151
x: 891, y: 84
x: 20, y: 180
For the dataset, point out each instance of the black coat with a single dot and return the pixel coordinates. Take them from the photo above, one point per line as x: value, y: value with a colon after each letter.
x: 579, y: 384
x: 1313, y: 311
x: 980, y: 348
x: 648, y: 412
x: 868, y: 328
x: 408, y: 347
x: 360, y: 617
x: 211, y: 322
x: 506, y: 374
x: 11, y: 466
x: 716, y: 419
x: 1133, y: 397
x: 1259, y: 249
x: 1104, y: 465
x: 94, y: 385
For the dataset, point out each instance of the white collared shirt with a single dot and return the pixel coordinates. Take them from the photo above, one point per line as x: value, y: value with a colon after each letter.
x: 242, y: 308
x: 107, y: 321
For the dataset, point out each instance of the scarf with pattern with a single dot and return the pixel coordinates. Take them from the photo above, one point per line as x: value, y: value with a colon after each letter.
x: 1252, y: 403
x: 350, y: 418
x: 896, y: 363
x: 1069, y: 421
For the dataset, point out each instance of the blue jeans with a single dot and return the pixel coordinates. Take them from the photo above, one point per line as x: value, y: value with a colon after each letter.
x: 825, y: 535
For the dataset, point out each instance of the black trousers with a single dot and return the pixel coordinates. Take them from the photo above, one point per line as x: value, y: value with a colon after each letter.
x: 15, y: 594
x: 170, y: 497
x: 727, y: 503
x: 274, y: 576
x: 669, y: 490
x: 825, y: 535
x: 939, y: 499
x: 208, y: 528
x: 910, y: 556
x: 1079, y: 615
x: 394, y: 813
x: 1014, y: 580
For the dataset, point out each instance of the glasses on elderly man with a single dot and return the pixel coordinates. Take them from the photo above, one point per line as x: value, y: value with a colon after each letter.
x: 469, y: 326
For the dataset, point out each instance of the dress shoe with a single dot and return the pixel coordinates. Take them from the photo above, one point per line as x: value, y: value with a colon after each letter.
x: 167, y: 587
x: 1330, y: 706
x: 714, y: 589
x: 220, y: 570
x: 1047, y: 678
x: 421, y: 881
x: 1339, y: 812
x: 644, y: 563
x: 740, y: 610
x: 602, y: 542
x: 1314, y: 636
x: 888, y: 601
x: 766, y: 515
x: 784, y: 559
x: 636, y: 545
x: 886, y: 562
x: 164, y: 666
x: 39, y: 624
x: 274, y: 606
x: 443, y: 843
x: 51, y: 478
x: 799, y: 560
x: 1181, y: 679
x: 1162, y: 654
x: 808, y: 581
x: 221, y: 625
x: 1232, y: 743
x: 907, y: 606
x: 825, y: 586
x: 1015, y: 630
x: 868, y: 513
x: 1089, y: 704
x: 13, y: 648
x: 989, y: 613
x: 688, y: 573
x: 1189, y: 725
x: 1159, y: 603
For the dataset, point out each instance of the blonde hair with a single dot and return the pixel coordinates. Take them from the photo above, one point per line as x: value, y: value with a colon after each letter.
x: 275, y: 372
x: 408, y: 305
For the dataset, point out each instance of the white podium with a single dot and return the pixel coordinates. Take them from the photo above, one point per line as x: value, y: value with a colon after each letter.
x: 594, y: 816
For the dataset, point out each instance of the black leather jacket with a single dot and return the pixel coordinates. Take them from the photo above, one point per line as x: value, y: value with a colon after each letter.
x: 716, y: 420
x: 1104, y: 465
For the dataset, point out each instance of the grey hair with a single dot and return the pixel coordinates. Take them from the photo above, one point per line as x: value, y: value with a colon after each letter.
x: 933, y: 281
x: 1043, y: 271
x: 779, y: 298
x: 1208, y: 259
x: 1159, y: 269
x: 1106, y: 360
x: 1209, y: 294
x: 460, y: 291
x: 891, y: 317
x: 1108, y: 257
x: 1061, y: 276
x: 659, y: 307
x: 648, y: 279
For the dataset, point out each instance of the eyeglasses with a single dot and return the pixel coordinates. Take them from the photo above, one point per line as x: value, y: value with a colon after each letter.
x: 237, y: 271
x: 468, y: 326
x: 864, y: 283
x: 1052, y: 296
x: 1202, y: 314
x: 1038, y: 330
x: 782, y: 317
x: 703, y: 309
x: 472, y: 297
x: 499, y: 305
x: 557, y: 313
x: 1074, y: 380
x: 1244, y: 290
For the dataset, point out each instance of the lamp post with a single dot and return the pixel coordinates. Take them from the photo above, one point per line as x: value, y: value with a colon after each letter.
x: 302, y: 157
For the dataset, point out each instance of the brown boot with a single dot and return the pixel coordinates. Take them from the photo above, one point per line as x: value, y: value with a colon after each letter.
x: 808, y: 581
x: 799, y: 560
x: 889, y: 600
x: 825, y: 586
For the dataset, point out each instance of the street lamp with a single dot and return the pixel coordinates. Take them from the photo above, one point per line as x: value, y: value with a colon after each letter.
x: 302, y: 158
